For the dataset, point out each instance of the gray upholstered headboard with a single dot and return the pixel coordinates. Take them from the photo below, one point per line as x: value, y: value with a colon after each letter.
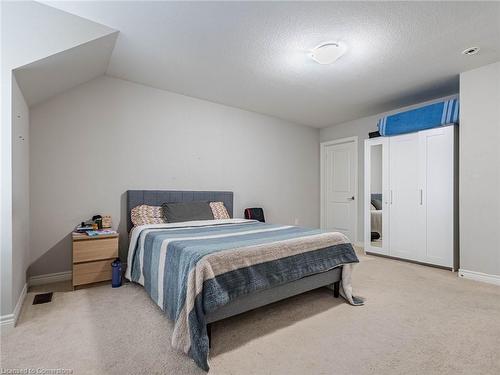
x: 157, y: 197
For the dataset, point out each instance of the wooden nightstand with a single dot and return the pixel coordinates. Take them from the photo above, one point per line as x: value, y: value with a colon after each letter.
x: 92, y: 257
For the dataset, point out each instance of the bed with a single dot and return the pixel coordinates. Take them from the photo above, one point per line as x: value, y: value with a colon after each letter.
x: 200, y: 272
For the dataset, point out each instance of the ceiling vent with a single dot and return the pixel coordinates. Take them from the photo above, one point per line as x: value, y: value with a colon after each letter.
x: 471, y: 51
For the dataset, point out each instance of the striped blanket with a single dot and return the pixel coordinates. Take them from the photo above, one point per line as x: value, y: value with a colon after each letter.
x: 190, y: 269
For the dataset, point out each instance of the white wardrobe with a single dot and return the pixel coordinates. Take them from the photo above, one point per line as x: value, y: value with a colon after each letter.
x: 411, y: 196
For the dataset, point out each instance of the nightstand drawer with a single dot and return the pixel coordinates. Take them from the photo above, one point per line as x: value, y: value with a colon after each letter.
x: 90, y: 250
x: 91, y: 272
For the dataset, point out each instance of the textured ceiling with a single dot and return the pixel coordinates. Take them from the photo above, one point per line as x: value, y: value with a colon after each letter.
x: 254, y: 55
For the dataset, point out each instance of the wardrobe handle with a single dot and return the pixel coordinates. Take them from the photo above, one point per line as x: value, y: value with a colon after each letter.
x: 390, y: 199
x: 421, y: 197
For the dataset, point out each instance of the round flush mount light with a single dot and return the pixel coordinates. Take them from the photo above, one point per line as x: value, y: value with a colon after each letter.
x: 471, y: 51
x: 327, y: 53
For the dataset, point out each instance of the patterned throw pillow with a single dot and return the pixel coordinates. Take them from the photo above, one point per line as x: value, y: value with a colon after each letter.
x: 219, y: 210
x: 145, y: 214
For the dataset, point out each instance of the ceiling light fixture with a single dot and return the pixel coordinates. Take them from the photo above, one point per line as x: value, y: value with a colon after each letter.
x: 327, y: 53
x: 471, y: 51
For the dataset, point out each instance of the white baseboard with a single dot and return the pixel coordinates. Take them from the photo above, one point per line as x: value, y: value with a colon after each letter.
x: 479, y: 276
x: 9, y: 321
x: 50, y: 278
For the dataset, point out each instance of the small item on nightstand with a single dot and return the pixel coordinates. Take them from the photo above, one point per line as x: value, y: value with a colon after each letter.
x: 106, y: 221
x: 97, y: 225
x: 116, y: 275
x: 97, y: 219
x: 83, y: 227
x: 100, y: 232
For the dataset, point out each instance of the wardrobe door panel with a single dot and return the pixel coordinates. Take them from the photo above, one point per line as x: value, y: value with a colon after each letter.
x: 404, y: 222
x: 437, y: 184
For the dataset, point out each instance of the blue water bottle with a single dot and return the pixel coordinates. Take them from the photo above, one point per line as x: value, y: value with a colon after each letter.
x: 116, y: 275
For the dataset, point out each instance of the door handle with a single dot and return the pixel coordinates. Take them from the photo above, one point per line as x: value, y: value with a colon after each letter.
x: 351, y: 199
x: 421, y: 197
x: 390, y: 199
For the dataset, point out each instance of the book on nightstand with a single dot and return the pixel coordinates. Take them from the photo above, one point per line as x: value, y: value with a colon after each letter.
x: 100, y: 232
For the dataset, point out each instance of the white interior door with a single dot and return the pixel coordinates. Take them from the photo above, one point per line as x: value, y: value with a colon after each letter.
x: 339, y: 187
x: 404, y: 197
x: 437, y: 194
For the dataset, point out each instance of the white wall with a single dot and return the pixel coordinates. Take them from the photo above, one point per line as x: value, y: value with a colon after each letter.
x: 20, y: 189
x: 480, y: 170
x: 91, y: 144
x: 6, y: 305
x: 29, y: 31
x: 360, y: 128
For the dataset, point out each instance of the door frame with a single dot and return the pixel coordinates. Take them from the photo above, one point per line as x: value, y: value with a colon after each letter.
x: 323, y: 146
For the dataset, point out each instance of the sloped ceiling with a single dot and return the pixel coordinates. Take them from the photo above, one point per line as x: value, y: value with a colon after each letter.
x: 55, y: 74
x: 32, y: 31
x: 50, y: 50
x: 254, y: 55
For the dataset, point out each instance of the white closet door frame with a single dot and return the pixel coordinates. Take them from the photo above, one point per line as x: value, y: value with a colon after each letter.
x: 384, y: 249
x: 323, y: 146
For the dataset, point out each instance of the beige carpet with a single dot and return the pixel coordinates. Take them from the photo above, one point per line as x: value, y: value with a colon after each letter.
x: 417, y: 320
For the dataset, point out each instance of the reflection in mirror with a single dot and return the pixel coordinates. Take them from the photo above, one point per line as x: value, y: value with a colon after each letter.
x: 376, y: 195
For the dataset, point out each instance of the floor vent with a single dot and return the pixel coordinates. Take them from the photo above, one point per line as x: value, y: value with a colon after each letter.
x: 42, y: 298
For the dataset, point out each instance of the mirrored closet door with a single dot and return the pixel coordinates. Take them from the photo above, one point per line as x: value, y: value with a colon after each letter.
x: 376, y: 207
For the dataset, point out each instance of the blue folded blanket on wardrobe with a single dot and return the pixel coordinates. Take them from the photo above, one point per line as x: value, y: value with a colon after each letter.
x: 430, y: 116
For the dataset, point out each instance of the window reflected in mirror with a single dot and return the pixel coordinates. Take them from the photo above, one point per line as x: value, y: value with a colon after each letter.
x: 376, y: 195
